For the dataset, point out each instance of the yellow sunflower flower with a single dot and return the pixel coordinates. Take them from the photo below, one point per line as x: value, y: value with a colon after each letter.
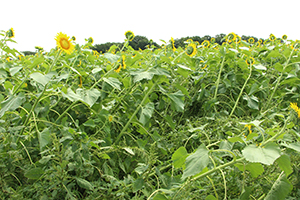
x: 295, y: 108
x: 191, y: 50
x: 10, y: 33
x: 90, y: 40
x: 64, y: 42
x: 231, y: 37
x: 296, y: 44
x: 272, y: 37
x: 251, y: 40
x: 119, y: 69
x: 205, y: 43
x: 173, y: 44
x: 250, y: 60
x: 284, y: 37
x: 129, y: 35
x: 73, y: 38
x: 212, y: 40
x: 260, y: 41
x: 123, y: 62
x: 249, y: 128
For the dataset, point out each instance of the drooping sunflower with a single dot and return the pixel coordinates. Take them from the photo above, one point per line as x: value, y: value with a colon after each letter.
x: 272, y: 37
x: 10, y: 33
x: 191, y: 50
x: 64, y: 42
x: 129, y: 35
x: 90, y: 40
x: 284, y: 37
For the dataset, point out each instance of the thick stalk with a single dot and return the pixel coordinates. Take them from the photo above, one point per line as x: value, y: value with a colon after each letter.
x: 241, y: 92
x: 279, y: 79
x: 135, y: 112
x: 219, y: 77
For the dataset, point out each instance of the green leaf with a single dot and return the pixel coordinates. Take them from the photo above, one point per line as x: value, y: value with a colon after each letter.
x: 179, y: 157
x: 12, y: 103
x: 266, y: 154
x: 140, y: 75
x: 138, y: 184
x: 280, y: 189
x: 252, y: 101
x: 128, y: 150
x: 295, y: 146
x: 37, y: 61
x: 278, y: 67
x: 284, y: 163
x: 196, y: 162
x: 40, y: 78
x: 235, y: 139
x: 210, y: 197
x: 84, y: 183
x: 88, y: 96
x: 183, y: 70
x: 111, y: 57
x: 115, y: 83
x: 44, y: 138
x: 14, y: 70
x: 160, y: 196
x: 246, y: 194
x: 34, y: 173
x: 260, y: 67
x: 177, y: 99
x: 146, y: 113
x: 255, y: 169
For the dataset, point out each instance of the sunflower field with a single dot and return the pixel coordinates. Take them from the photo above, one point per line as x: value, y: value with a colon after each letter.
x: 206, y: 121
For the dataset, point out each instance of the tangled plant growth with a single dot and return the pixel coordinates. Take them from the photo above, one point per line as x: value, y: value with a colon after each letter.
x: 207, y: 121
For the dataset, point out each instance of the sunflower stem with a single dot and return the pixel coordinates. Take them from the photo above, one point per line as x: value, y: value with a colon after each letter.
x: 219, y: 77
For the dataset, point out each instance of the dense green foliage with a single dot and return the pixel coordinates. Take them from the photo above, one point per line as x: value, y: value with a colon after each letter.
x: 153, y: 123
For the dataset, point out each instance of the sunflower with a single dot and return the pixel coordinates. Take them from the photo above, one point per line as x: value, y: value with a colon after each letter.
x: 119, y: 69
x: 64, y: 42
x: 90, y: 40
x: 173, y: 44
x: 73, y: 38
x: 251, y: 40
x: 295, y: 108
x: 212, y: 40
x: 250, y: 60
x: 189, y: 41
x: 129, y: 35
x: 272, y: 37
x: 191, y: 50
x: 296, y: 44
x: 238, y: 39
x: 260, y: 41
x: 123, y: 62
x: 10, y: 33
x: 205, y: 43
x: 231, y: 37
x: 284, y: 37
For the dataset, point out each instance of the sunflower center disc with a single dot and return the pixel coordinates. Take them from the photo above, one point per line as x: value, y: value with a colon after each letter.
x: 65, y: 44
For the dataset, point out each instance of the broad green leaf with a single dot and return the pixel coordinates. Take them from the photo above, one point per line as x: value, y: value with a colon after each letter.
x: 90, y: 123
x: 115, y: 83
x: 280, y: 189
x: 246, y: 194
x: 210, y: 197
x: 160, y: 196
x: 84, y: 183
x: 146, y: 113
x: 177, y: 100
x: 295, y: 146
x: 278, y: 67
x: 34, y: 173
x: 12, y: 103
x: 44, y: 138
x: 235, y: 139
x: 196, y: 162
x: 255, y: 169
x: 252, y: 101
x: 260, y: 67
x: 284, y: 163
x: 88, y: 96
x: 37, y: 61
x: 138, y: 184
x: 183, y: 71
x: 179, y: 157
x: 266, y: 154
x: 140, y: 75
x: 111, y: 57
x: 14, y: 70
x: 40, y: 78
